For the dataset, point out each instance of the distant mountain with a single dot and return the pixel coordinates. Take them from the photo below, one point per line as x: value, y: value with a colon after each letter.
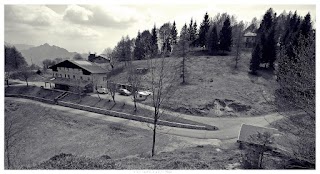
x: 21, y: 47
x: 39, y: 53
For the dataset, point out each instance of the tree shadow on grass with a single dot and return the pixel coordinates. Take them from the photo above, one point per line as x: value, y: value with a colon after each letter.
x: 114, y: 104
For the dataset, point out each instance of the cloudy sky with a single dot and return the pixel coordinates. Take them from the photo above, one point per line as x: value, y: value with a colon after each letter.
x: 85, y: 28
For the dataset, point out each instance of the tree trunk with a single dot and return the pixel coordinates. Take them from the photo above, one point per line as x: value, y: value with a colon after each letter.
x: 183, y: 70
x: 154, y: 137
x: 135, y: 102
x: 8, y: 155
x: 260, y: 160
x: 114, y: 101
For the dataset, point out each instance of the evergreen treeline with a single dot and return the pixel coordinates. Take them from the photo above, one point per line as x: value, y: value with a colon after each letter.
x: 213, y: 35
x: 278, y: 35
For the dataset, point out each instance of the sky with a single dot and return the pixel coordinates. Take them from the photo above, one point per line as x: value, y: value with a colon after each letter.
x: 94, y: 27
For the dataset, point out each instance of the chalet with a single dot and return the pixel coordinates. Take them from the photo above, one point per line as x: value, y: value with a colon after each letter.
x: 249, y: 39
x: 78, y: 75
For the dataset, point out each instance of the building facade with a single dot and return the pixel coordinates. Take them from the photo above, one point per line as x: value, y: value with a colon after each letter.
x: 249, y: 39
x: 78, y: 76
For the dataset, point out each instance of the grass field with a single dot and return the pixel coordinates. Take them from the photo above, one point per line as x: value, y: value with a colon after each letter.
x: 33, y: 91
x: 215, y: 88
x: 48, y: 132
x: 121, y: 107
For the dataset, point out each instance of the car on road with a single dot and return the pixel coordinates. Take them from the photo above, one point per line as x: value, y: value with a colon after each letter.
x: 102, y: 91
x: 124, y: 92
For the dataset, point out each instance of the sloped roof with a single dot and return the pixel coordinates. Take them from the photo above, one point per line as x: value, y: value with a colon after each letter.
x: 104, y: 56
x: 83, y: 64
x: 250, y: 34
x: 247, y: 131
x: 90, y: 66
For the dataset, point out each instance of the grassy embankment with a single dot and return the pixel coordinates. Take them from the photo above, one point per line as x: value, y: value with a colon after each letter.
x: 215, y: 88
x: 95, y: 102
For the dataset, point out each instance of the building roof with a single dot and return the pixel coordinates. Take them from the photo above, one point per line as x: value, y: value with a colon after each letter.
x: 250, y: 34
x: 104, y: 56
x: 90, y: 66
x: 247, y: 131
x: 84, y: 64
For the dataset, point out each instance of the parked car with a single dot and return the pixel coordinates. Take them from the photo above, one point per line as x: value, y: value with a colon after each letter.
x: 124, y: 92
x: 102, y: 90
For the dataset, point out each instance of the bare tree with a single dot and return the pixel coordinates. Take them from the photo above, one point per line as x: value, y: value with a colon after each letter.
x: 161, y: 83
x: 238, y: 42
x: 182, y: 49
x: 112, y: 89
x: 254, y: 151
x: 7, y: 76
x: 95, y: 82
x: 134, y: 79
x: 26, y: 73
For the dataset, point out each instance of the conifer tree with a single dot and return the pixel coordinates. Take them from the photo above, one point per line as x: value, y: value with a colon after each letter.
x: 204, y: 27
x: 213, y: 40
x: 138, y: 49
x: 174, y: 34
x: 255, y: 60
x: 226, y: 36
x: 154, y: 41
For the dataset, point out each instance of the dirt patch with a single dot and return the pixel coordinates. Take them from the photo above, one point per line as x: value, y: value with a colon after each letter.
x: 216, y: 108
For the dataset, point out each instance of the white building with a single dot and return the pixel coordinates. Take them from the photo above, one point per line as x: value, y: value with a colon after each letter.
x: 75, y: 75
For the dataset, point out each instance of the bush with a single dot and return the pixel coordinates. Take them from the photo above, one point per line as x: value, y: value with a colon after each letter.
x: 69, y: 161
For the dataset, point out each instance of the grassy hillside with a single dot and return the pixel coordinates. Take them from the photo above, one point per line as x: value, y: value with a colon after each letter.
x: 200, y: 157
x: 48, y: 132
x: 214, y: 87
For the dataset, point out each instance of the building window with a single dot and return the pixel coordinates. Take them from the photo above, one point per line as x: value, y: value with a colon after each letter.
x: 74, y: 76
x: 65, y: 76
x: 81, y: 77
x: 69, y: 76
x: 60, y: 75
x: 88, y: 78
x: 56, y: 74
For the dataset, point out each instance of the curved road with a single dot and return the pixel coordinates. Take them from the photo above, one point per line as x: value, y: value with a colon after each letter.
x: 228, y: 127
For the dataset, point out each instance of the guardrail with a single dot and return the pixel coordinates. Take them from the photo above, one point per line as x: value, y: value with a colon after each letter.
x: 114, y: 113
x: 133, y: 117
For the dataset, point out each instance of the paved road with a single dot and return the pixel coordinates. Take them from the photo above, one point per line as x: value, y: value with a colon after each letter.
x: 228, y: 127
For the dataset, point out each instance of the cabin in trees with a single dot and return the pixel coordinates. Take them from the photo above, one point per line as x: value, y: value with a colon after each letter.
x: 249, y: 39
x: 78, y: 76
